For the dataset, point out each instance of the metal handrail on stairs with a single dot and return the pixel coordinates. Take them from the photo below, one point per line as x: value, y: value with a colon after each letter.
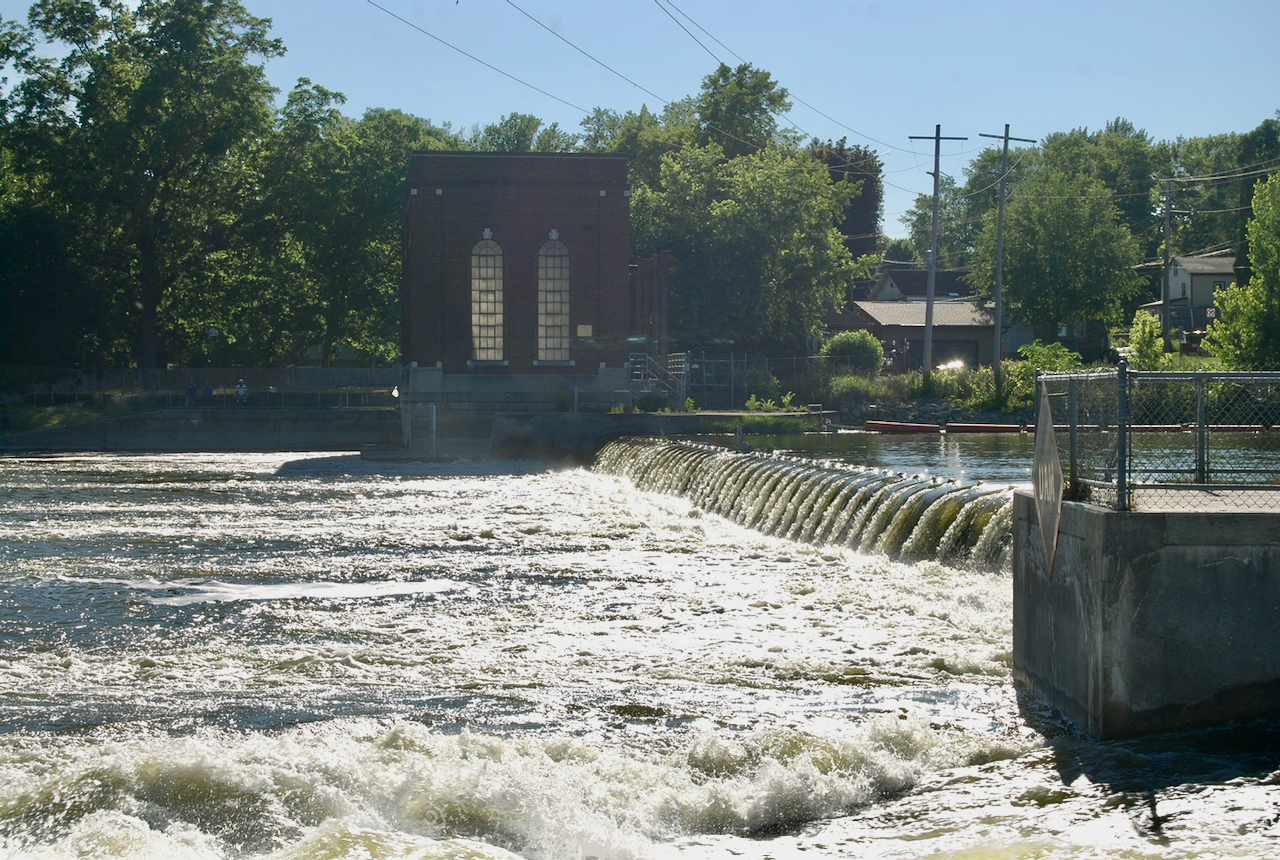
x: 647, y: 370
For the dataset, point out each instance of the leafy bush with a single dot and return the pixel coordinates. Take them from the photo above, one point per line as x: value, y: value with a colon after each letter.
x: 1146, y: 344
x: 856, y: 389
x: 1050, y: 357
x: 860, y: 350
x: 755, y: 404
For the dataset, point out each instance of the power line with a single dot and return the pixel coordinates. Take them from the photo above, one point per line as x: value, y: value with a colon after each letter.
x: 704, y: 30
x: 585, y: 54
x: 740, y: 59
x: 686, y: 29
x: 1273, y: 166
x: 477, y: 59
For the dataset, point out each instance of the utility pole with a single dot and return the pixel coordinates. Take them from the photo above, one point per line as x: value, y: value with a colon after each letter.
x: 1164, y: 275
x: 999, y: 331
x: 927, y: 364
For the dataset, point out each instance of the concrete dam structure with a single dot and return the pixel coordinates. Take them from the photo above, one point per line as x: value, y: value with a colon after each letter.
x: 1150, y: 601
x: 1150, y: 621
x: 902, y: 516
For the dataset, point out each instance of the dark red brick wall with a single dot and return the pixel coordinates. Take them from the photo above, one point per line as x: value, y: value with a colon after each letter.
x: 521, y: 198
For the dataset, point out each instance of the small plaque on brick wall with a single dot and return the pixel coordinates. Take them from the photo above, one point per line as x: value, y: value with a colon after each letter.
x: 584, y: 331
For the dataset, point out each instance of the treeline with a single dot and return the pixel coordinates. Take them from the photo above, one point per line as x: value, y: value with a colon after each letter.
x: 157, y: 205
x: 161, y: 203
x: 1086, y: 209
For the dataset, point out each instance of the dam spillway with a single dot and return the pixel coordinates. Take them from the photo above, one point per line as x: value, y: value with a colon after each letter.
x: 907, y: 518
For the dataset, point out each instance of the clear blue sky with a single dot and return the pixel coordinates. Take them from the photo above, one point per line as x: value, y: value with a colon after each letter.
x: 880, y: 70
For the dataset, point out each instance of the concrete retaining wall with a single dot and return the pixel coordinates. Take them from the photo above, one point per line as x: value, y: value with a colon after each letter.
x: 1152, y: 621
x: 229, y: 429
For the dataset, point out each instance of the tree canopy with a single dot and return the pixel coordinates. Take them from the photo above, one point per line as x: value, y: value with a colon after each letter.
x: 1246, y: 335
x: 1068, y: 255
x: 128, y: 132
x: 757, y: 242
x: 160, y: 202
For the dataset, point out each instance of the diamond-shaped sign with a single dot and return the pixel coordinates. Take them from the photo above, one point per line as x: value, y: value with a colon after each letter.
x: 1046, y: 481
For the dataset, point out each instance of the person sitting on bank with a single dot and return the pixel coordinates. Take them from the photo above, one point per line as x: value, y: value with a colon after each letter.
x: 242, y: 392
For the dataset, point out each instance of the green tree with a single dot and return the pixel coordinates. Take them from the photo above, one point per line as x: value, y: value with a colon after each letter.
x: 645, y: 137
x: 737, y: 109
x: 522, y: 132
x: 956, y: 231
x: 860, y: 351
x: 1146, y: 342
x: 1122, y: 158
x: 133, y: 123
x: 515, y: 132
x: 600, y: 130
x: 860, y: 164
x: 1206, y: 213
x: 962, y: 208
x: 1246, y: 334
x: 1259, y: 148
x: 335, y: 196
x: 1067, y: 254
x: 758, y: 248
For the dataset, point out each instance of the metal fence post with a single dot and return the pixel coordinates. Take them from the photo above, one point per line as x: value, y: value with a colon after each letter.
x: 732, y: 383
x: 1122, y: 436
x: 1202, y: 435
x: 1072, y: 408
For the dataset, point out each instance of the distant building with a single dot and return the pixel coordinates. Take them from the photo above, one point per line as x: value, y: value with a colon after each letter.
x: 894, y: 284
x: 1192, y: 282
x: 517, y: 293
x: 963, y: 326
x: 516, y: 263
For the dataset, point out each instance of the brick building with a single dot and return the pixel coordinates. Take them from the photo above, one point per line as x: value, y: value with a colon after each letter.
x: 517, y: 294
x: 516, y: 263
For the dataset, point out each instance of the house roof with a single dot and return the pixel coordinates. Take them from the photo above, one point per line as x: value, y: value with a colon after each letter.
x: 973, y: 313
x: 913, y: 283
x: 1207, y: 265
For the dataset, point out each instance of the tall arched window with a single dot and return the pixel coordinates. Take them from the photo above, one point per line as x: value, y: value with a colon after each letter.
x: 553, y: 302
x: 486, y: 301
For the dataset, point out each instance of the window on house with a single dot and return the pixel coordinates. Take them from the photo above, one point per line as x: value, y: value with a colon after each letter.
x: 486, y: 301
x: 553, y: 302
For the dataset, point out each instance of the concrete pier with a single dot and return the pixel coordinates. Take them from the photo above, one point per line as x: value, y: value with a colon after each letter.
x: 1151, y: 621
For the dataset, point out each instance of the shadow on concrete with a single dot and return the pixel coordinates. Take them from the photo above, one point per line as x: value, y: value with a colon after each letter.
x: 340, y: 465
x: 1141, y: 767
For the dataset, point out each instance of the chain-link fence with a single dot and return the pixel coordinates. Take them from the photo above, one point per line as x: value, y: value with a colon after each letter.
x: 1139, y: 440
x: 728, y: 383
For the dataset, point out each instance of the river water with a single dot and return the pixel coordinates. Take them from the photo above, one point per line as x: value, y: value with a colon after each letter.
x: 315, y: 656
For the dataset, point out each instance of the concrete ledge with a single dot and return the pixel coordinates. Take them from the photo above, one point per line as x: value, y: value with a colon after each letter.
x: 225, y: 429
x: 1151, y: 621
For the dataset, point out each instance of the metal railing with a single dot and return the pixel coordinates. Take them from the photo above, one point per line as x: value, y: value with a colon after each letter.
x: 1148, y: 440
x: 647, y: 374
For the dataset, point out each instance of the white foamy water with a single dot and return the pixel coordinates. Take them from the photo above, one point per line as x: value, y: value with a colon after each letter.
x: 301, y: 656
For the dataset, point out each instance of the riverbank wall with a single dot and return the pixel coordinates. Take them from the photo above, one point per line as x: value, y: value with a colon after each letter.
x: 1151, y: 620
x: 561, y: 438
x: 217, y: 429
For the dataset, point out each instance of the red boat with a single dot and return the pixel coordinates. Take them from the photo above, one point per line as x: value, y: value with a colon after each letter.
x: 964, y: 427
x: 901, y: 427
